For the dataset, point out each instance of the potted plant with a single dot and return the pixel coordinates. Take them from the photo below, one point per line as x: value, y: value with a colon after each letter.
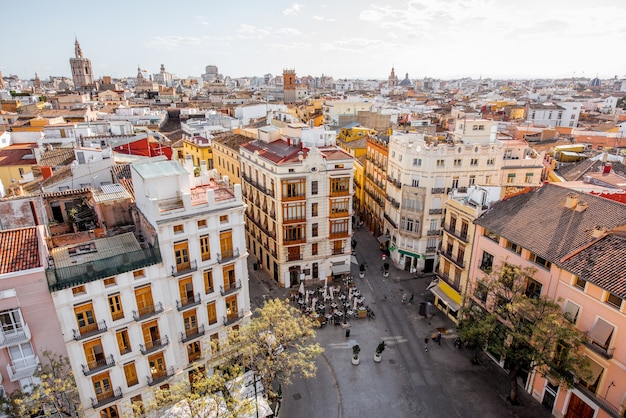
x: 379, y: 350
x: 355, y: 354
x: 386, y: 270
x: 361, y: 271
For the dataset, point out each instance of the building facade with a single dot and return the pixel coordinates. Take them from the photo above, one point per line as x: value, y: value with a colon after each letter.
x: 299, y: 192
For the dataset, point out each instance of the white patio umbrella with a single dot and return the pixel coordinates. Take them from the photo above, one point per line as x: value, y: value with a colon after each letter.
x: 350, y: 293
x: 313, y: 301
x: 332, y: 296
x: 355, y: 303
x: 306, y: 298
x: 301, y: 289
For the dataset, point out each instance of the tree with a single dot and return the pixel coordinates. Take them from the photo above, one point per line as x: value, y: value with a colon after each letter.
x: 56, y: 394
x: 274, y: 345
x: 528, y: 331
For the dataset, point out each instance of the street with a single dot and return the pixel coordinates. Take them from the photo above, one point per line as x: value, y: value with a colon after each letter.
x: 409, y: 382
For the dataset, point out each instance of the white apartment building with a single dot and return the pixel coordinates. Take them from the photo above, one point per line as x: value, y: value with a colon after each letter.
x: 332, y: 110
x: 549, y: 114
x: 138, y: 310
x: 299, y: 191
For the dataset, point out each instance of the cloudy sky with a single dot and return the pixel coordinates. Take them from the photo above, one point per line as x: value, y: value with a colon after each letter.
x: 342, y: 38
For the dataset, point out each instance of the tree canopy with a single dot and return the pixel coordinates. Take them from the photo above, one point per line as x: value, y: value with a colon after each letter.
x: 527, y: 331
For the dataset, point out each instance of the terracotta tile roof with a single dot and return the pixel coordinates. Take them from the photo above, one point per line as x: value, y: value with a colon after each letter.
x: 19, y: 250
x: 602, y: 263
x: 57, y: 157
x: 232, y: 141
x: 540, y: 222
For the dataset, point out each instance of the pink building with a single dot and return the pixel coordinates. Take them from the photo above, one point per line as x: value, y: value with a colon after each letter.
x: 577, y: 244
x: 28, y: 317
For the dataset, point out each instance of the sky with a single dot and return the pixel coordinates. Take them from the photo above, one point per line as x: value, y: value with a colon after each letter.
x: 442, y: 39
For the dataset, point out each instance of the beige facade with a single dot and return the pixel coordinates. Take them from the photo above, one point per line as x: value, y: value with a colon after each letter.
x: 226, y: 155
x: 299, y: 199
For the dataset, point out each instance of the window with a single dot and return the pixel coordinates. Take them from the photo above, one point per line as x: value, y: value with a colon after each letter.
x: 510, y: 178
x: 143, y: 297
x: 491, y: 161
x: 533, y: 289
x: 314, y: 229
x: 110, y: 281
x: 540, y: 261
x: 455, y: 182
x: 472, y: 180
x: 226, y: 244
x: 212, y: 313
x: 293, y: 233
x: 131, y: 374
x: 486, y: 263
x: 614, y: 300
x: 457, y: 162
x: 570, y: 311
x: 223, y: 219
x: 488, y: 179
x: 179, y: 229
x: 293, y: 189
x: 601, y: 333
x: 314, y: 187
x: 78, y: 290
x: 193, y: 351
x: 578, y: 282
x: 181, y: 255
x: 338, y: 228
x: 315, y: 269
x: 115, y: 305
x: 151, y: 334
x: 481, y: 292
x: 294, y: 211
x: 102, y: 386
x: 440, y: 163
x: 215, y: 342
x: 339, y: 207
x: 528, y: 178
x: 123, y: 342
x: 109, y: 412
x: 314, y: 209
x: 139, y: 273
x: 208, y: 282
x: 474, y: 162
x: 85, y: 318
x: 510, y: 245
x: 417, y: 161
x: 202, y: 223
x: 314, y: 249
x: 137, y: 404
x: 596, y: 373
x: 478, y: 127
x: 185, y: 290
x: 205, y: 248
x: 339, y: 186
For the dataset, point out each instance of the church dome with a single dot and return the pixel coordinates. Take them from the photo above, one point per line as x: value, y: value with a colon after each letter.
x: 595, y: 82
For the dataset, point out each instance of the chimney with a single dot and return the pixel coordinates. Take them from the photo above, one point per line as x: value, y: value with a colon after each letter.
x: 571, y: 201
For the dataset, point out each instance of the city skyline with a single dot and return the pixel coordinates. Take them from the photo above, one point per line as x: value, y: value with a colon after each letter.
x: 350, y: 39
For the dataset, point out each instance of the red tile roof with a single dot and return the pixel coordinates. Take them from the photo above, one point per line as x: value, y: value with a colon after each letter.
x: 19, y: 250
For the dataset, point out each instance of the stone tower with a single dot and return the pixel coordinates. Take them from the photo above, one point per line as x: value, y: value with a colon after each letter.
x: 82, y: 74
x: 289, y: 85
x: 393, y: 78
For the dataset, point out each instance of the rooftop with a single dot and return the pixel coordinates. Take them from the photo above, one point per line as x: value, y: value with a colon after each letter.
x: 20, y: 250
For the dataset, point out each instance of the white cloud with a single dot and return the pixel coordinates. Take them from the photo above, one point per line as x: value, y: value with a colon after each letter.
x: 251, y: 32
x: 293, y: 10
x: 287, y: 31
x: 324, y: 19
x: 175, y: 41
x: 291, y: 46
x: 202, y: 20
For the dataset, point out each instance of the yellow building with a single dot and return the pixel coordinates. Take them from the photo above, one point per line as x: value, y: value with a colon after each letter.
x: 200, y: 150
x: 354, y: 133
x: 359, y: 186
x: 16, y: 161
x: 226, y: 155
x: 375, y: 178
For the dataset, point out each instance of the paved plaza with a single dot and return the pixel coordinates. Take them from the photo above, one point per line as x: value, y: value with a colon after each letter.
x: 409, y: 382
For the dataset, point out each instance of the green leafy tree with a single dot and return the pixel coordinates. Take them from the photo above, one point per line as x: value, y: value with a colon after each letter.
x: 276, y: 344
x: 527, y: 331
x: 56, y: 395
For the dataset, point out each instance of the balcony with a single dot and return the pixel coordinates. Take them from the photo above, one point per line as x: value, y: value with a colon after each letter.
x: 98, y: 365
x: 147, y: 312
x: 462, y: 236
x: 431, y: 249
x: 181, y: 269
x: 257, y: 186
x: 340, y: 191
x: 438, y: 190
x: 160, y: 376
x: 155, y: 345
x: 294, y: 256
x: 22, y: 368
x: 605, y: 352
x: 192, y: 334
x: 262, y: 227
x: 612, y: 410
x: 232, y: 288
x: 391, y: 222
x: 338, y: 235
x: 107, y: 397
x: 188, y: 302
x: 232, y: 318
x: 90, y: 330
x: 435, y: 211
x: 457, y: 261
x: 456, y: 285
x: 64, y: 277
x: 339, y: 214
x: 433, y: 233
x: 227, y: 255
x: 15, y: 336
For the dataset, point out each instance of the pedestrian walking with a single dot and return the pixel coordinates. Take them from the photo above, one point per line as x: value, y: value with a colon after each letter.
x: 411, y: 299
x: 404, y: 298
x: 426, y: 344
x: 438, y: 338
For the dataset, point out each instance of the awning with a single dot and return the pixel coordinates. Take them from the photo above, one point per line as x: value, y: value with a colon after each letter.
x: 409, y: 253
x: 340, y: 269
x: 595, y: 369
x: 601, y: 332
x: 570, y: 311
x: 438, y: 291
x: 383, y: 239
